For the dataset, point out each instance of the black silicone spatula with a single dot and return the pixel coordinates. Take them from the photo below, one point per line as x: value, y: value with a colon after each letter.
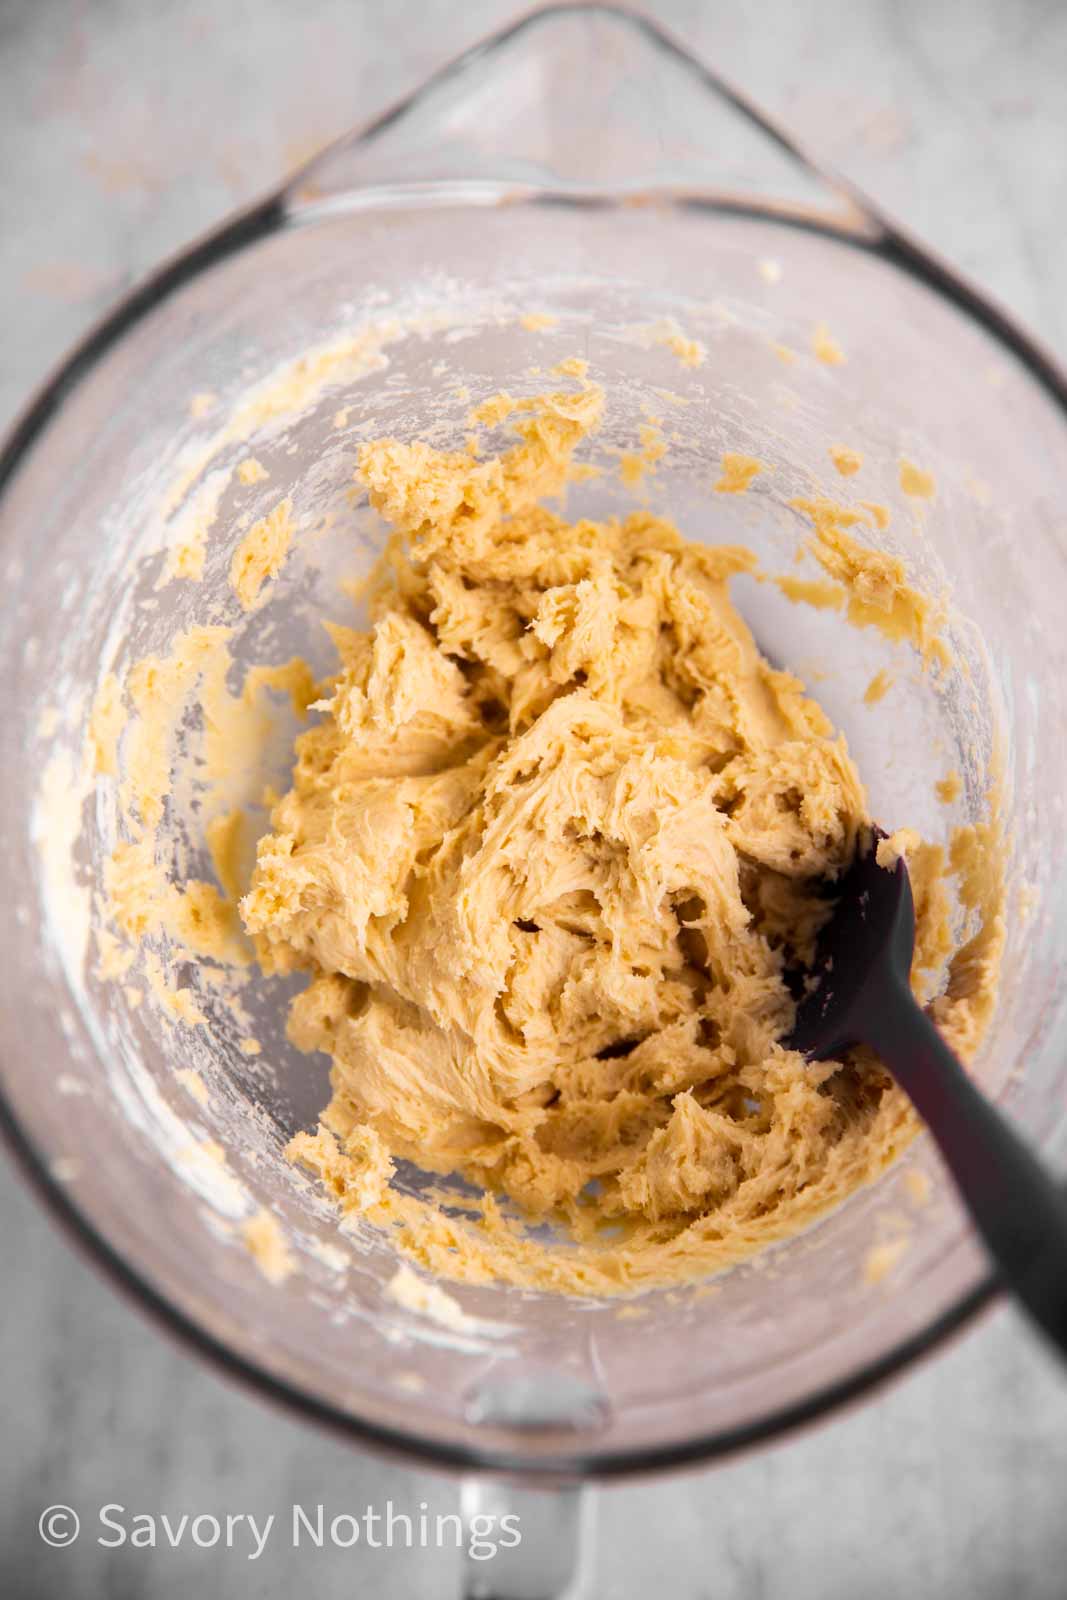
x: 858, y: 993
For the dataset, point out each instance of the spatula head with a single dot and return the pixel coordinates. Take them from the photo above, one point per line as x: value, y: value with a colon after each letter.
x: 862, y: 953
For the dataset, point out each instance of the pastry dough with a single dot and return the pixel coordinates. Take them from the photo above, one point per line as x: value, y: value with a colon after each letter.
x: 542, y: 852
x: 543, y: 858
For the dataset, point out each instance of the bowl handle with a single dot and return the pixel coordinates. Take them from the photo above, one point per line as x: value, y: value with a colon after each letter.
x: 523, y: 1543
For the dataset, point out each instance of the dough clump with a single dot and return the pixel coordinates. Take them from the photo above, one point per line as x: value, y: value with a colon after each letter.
x: 544, y: 857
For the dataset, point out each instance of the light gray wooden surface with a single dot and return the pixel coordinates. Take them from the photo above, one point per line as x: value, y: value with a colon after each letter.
x: 125, y: 128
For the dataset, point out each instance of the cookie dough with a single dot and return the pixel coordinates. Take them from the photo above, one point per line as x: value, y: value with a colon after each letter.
x: 544, y: 855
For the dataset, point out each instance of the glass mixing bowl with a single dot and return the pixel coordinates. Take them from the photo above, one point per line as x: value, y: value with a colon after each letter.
x: 581, y: 165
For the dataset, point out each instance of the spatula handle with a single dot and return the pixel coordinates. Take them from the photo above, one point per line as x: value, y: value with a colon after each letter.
x: 1017, y: 1205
